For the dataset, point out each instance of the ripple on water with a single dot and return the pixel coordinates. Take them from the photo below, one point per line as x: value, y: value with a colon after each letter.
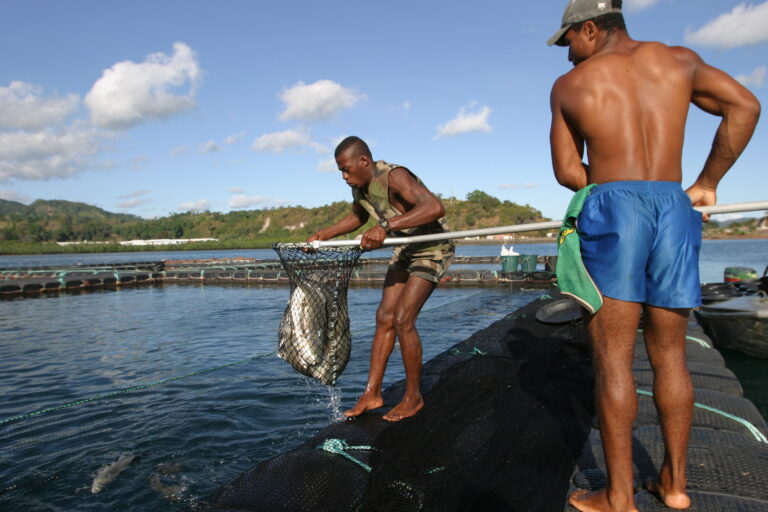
x: 215, y: 424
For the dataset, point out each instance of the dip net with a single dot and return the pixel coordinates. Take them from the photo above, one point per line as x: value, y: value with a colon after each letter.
x: 314, y: 331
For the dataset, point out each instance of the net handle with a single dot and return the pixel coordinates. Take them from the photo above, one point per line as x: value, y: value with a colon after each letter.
x: 520, y: 228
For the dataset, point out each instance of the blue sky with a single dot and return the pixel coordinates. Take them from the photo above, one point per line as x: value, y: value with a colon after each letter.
x: 156, y: 107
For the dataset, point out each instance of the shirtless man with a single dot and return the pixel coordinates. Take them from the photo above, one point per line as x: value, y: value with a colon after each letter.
x: 402, y: 206
x: 627, y: 101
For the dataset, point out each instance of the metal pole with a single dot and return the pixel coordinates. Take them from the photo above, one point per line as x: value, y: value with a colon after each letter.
x: 537, y: 226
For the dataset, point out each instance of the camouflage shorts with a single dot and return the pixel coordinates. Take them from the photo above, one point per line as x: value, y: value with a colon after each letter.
x: 427, y: 263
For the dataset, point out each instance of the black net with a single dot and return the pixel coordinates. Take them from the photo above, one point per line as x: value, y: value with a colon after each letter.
x: 314, y: 332
x: 505, y: 414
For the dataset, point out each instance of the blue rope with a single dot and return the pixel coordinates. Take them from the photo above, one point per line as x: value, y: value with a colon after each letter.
x: 749, y: 426
x: 691, y: 338
x: 340, y: 447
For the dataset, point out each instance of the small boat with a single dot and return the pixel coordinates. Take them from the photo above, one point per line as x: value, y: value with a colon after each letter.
x: 735, y: 316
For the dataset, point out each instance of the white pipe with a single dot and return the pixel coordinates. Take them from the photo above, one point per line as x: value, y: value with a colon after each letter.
x: 537, y: 226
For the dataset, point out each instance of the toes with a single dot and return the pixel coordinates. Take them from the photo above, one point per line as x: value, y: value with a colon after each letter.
x: 578, y: 494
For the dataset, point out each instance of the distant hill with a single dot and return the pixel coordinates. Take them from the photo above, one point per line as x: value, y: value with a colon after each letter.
x: 57, y: 220
x: 10, y: 206
x: 50, y: 221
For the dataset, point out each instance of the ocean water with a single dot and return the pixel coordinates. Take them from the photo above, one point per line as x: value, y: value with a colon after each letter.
x: 187, y: 376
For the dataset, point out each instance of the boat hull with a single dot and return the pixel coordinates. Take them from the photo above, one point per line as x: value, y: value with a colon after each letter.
x: 740, y: 324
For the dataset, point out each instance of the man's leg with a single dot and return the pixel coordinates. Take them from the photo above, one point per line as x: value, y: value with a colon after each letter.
x: 612, y: 331
x: 412, y: 298
x: 383, y: 342
x: 673, y: 393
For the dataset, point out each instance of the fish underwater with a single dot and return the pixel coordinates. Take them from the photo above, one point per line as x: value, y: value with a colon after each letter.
x: 108, y: 474
x: 167, y: 482
x: 314, y: 332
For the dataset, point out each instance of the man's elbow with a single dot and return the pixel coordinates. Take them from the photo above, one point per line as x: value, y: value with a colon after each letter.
x: 568, y: 182
x: 750, y: 109
x: 755, y: 109
x: 439, y: 210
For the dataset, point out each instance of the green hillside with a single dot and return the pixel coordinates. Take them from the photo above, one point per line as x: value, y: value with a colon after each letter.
x: 65, y: 221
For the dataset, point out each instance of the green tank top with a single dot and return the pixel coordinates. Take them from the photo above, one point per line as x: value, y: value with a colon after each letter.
x: 375, y: 200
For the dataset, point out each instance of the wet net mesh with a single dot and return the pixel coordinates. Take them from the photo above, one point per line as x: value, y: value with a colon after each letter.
x: 314, y: 331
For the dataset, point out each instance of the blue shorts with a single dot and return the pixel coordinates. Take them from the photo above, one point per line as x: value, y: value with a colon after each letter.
x: 640, y: 242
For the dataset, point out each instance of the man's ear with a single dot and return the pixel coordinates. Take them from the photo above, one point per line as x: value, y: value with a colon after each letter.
x: 590, y: 30
x: 364, y: 160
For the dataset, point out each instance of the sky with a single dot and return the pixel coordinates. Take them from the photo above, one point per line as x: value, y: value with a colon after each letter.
x: 157, y: 107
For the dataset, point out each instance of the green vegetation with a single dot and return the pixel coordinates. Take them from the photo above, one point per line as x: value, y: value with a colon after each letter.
x: 36, y: 228
x: 734, y: 228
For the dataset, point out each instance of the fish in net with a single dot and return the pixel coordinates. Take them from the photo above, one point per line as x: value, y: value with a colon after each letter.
x: 314, y: 331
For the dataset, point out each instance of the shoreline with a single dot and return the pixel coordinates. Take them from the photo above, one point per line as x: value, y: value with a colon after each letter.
x: 223, y: 246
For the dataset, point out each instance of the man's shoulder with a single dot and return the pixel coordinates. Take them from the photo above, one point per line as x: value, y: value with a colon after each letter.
x: 661, y: 49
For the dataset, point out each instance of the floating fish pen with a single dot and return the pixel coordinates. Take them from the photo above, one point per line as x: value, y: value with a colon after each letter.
x: 509, y: 424
x: 41, y: 281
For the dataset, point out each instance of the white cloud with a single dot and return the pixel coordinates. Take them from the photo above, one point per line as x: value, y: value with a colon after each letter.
x: 235, y: 190
x: 209, y: 147
x: 318, y: 101
x: 638, y: 5
x: 754, y: 79
x: 510, y: 186
x: 129, y: 93
x: 194, y: 206
x: 319, y: 148
x: 47, y: 153
x: 138, y: 193
x: 328, y: 165
x: 277, y: 142
x: 179, y: 150
x: 744, y: 25
x: 234, y: 138
x: 23, y: 106
x: 12, y: 195
x: 466, y: 122
x: 244, y: 201
x: 139, y: 162
x: 133, y: 203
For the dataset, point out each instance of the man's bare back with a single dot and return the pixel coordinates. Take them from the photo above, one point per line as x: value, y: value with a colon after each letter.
x: 629, y: 103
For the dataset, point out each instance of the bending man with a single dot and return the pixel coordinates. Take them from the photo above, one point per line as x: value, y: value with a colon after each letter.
x: 402, y: 206
x: 627, y: 101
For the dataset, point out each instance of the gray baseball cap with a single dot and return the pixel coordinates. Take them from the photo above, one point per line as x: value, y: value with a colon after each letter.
x: 578, y: 11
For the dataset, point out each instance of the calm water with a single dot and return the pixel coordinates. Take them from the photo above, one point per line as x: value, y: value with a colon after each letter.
x: 235, y: 402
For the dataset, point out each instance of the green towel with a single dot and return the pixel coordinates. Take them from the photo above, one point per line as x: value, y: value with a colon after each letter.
x: 572, y: 276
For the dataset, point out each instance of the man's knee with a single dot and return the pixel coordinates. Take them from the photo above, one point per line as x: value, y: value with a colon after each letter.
x: 385, y: 316
x: 404, y: 321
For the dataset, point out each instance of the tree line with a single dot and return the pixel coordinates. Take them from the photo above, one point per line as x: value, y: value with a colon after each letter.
x: 65, y: 221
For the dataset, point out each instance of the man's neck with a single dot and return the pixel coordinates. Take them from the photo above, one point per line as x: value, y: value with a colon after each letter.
x: 613, y: 41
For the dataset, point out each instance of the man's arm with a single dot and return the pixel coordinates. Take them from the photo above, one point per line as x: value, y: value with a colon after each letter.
x: 420, y: 205
x: 567, y: 145
x: 717, y: 93
x: 354, y: 219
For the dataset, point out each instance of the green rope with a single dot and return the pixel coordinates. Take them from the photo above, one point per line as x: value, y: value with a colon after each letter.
x: 749, y: 426
x: 127, y: 390
x: 691, y: 338
x: 340, y: 447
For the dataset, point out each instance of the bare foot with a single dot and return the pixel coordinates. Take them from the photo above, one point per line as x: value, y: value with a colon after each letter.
x: 670, y: 497
x: 596, y: 501
x: 405, y: 409
x: 365, y: 403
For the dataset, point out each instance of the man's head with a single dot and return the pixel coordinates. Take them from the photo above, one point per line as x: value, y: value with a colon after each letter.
x: 604, y: 14
x: 353, y: 157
